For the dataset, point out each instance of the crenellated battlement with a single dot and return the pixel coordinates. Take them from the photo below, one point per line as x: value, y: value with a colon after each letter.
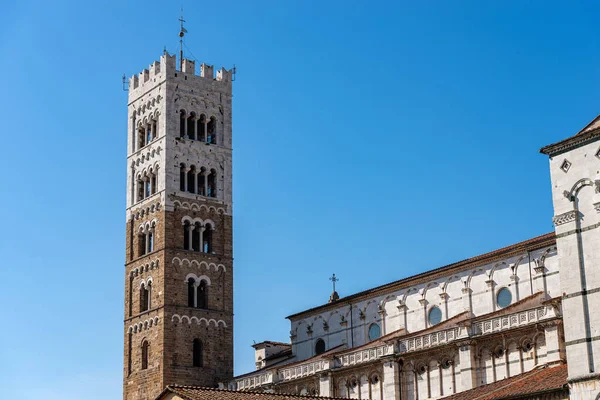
x: 167, y: 67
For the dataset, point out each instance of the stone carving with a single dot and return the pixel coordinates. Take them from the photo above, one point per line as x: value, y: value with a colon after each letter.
x: 567, y: 217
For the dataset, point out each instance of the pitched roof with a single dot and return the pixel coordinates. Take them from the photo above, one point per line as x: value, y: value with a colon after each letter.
x: 540, y: 380
x: 589, y: 133
x: 204, y: 393
x: 530, y: 244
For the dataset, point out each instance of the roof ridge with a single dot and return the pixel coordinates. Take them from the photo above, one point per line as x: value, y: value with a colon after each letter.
x: 212, y: 389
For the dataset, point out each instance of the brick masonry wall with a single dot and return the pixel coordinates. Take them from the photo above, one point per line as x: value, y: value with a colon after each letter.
x: 170, y: 356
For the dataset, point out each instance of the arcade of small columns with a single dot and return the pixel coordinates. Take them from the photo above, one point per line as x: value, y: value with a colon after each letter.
x: 145, y: 184
x: 200, y: 182
x: 194, y: 128
x: 146, y: 238
x: 198, y: 236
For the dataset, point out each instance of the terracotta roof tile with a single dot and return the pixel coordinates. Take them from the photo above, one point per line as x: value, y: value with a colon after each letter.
x: 539, y: 380
x: 203, y: 393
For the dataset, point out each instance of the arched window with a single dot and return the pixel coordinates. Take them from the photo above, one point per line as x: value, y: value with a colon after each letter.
x: 149, y: 295
x: 146, y: 187
x: 191, y: 290
x: 181, y: 123
x: 144, y: 297
x: 320, y: 347
x: 212, y: 187
x: 141, y: 137
x: 191, y: 126
x: 145, y: 354
x: 182, y: 177
x: 374, y: 332
x: 201, y: 182
x: 207, y: 239
x: 155, y: 128
x: 148, y: 134
x: 186, y: 236
x: 196, y: 236
x: 140, y: 192
x: 191, y: 179
x: 141, y: 244
x: 197, y: 353
x: 202, y: 128
x: 212, y: 131
x: 201, y: 296
x: 150, y: 240
x: 153, y: 184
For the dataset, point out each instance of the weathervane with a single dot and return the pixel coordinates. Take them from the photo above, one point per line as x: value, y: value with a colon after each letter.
x: 182, y: 32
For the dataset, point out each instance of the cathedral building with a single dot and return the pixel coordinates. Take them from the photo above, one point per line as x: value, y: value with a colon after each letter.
x: 517, y: 322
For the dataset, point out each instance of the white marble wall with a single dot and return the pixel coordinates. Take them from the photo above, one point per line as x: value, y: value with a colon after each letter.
x: 517, y: 273
x: 575, y: 192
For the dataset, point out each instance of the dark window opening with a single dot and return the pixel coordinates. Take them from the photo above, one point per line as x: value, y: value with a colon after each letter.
x: 191, y: 290
x: 141, y: 245
x: 207, y: 242
x: 212, y: 131
x: 182, y: 177
x: 145, y: 351
x: 153, y: 185
x: 150, y: 241
x: 181, y: 123
x: 191, y: 126
x: 190, y: 179
x: 202, y: 128
x: 197, y: 353
x: 320, y: 347
x: 201, y: 178
x: 212, y: 187
x: 186, y: 236
x: 202, y: 295
x: 196, y: 237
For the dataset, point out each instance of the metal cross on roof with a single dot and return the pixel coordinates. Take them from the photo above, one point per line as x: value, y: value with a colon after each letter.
x: 334, y: 280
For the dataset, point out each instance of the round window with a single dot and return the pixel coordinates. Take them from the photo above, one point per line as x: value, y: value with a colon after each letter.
x: 374, y: 332
x: 320, y: 346
x: 504, y: 297
x: 435, y: 315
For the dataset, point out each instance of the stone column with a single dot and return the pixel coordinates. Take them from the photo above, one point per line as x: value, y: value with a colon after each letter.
x: 202, y: 239
x: 424, y: 304
x: 190, y: 237
x: 402, y: 309
x: 540, y: 276
x: 554, y: 351
x: 466, y: 292
x: 326, y: 385
x: 195, y: 183
x: 391, y: 380
x: 444, y: 296
x: 206, y: 183
x: 468, y: 372
x: 491, y: 284
x: 185, y: 179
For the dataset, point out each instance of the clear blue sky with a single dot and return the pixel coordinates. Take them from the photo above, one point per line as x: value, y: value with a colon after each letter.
x: 373, y: 142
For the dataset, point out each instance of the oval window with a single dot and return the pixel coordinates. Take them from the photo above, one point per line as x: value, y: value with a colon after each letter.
x: 435, y: 315
x: 374, y: 332
x: 504, y: 297
x: 320, y: 347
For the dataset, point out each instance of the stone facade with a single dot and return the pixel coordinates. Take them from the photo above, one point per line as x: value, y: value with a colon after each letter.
x: 178, y: 230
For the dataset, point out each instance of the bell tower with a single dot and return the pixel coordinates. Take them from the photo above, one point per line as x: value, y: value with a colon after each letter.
x: 178, y: 325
